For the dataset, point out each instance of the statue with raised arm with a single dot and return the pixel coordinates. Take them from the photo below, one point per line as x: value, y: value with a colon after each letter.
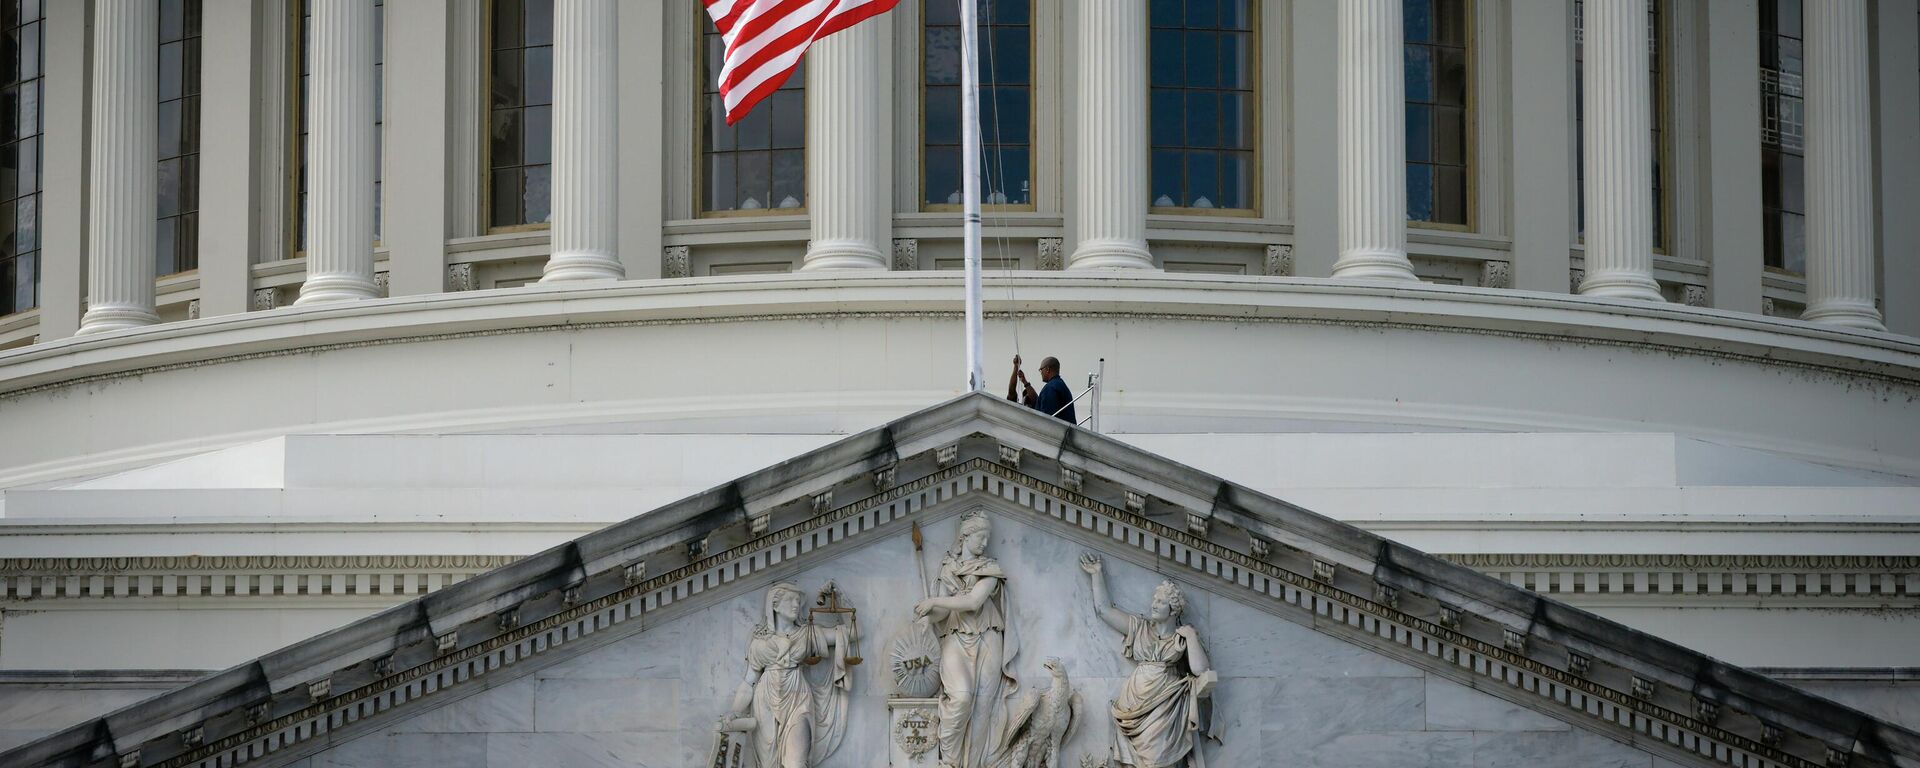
x: 977, y: 646
x: 792, y: 721
x: 1165, y: 704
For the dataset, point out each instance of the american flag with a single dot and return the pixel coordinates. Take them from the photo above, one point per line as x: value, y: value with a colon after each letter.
x: 766, y: 38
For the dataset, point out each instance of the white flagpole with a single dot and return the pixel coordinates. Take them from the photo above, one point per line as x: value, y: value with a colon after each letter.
x: 970, y: 183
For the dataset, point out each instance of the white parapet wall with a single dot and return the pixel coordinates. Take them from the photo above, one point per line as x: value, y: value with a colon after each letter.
x: 835, y: 353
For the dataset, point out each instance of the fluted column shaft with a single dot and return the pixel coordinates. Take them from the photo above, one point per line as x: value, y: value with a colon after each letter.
x: 1110, y: 175
x: 586, y: 110
x: 1840, y: 268
x: 847, y: 184
x: 122, y: 178
x: 1373, y: 145
x: 1618, y: 152
x: 340, y: 152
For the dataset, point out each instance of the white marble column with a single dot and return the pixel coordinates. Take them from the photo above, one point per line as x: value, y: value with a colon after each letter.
x: 123, y: 176
x: 1840, y: 268
x: 1619, y: 153
x: 1373, y: 142
x: 340, y: 152
x: 586, y: 110
x: 847, y: 185
x: 1110, y: 193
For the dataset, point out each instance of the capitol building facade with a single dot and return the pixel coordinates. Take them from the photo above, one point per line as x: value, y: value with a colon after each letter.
x: 312, y: 308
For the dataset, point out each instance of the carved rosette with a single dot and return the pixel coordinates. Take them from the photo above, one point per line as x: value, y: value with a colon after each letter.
x: 264, y: 299
x: 1695, y: 296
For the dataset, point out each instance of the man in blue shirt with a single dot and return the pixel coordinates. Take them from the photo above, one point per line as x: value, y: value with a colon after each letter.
x: 1054, y: 398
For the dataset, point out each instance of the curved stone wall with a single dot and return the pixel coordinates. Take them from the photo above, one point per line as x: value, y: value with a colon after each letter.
x: 832, y: 353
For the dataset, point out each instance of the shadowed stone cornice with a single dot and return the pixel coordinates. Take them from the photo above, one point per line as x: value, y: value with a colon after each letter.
x: 248, y: 563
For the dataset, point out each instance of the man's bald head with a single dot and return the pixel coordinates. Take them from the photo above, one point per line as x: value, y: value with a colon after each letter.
x: 1049, y: 368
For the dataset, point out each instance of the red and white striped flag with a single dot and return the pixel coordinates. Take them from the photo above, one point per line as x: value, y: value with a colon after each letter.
x: 766, y: 38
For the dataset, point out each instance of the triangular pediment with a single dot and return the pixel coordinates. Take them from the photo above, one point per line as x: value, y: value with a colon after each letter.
x: 1330, y: 644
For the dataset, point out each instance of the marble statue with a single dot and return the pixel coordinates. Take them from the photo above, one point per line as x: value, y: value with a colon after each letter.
x: 977, y: 647
x: 1165, y: 704
x: 791, y: 720
x: 1041, y: 723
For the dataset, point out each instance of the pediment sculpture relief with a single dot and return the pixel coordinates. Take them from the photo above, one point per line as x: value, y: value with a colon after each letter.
x: 977, y: 647
x: 957, y: 702
x: 782, y: 715
x: 1165, y: 705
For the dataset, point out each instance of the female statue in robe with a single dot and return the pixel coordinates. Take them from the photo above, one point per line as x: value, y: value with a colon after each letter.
x: 793, y: 722
x: 1165, y: 703
x: 976, y: 648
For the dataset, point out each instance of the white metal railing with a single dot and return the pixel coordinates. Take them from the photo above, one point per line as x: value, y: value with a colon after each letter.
x: 1092, y: 392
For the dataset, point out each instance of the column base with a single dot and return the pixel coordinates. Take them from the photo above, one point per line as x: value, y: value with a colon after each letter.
x: 1846, y: 313
x: 1621, y: 285
x: 320, y: 289
x: 104, y: 319
x: 1374, y: 265
x: 582, y: 265
x: 842, y: 254
x: 1111, y: 254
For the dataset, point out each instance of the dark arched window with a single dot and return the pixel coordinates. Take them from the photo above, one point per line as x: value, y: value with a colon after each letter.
x: 520, y: 114
x: 21, y: 67
x: 1783, y: 135
x: 1006, y: 103
x: 1204, y: 110
x: 1439, y: 111
x: 178, y: 229
x: 758, y: 165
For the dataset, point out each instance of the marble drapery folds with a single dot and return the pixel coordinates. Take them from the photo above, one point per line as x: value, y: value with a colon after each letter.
x: 977, y: 649
x: 1162, y: 704
x: 790, y: 720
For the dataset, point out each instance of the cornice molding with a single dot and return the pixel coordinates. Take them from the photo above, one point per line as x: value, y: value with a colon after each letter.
x: 315, y: 577
x: 1560, y: 561
x: 1805, y: 580
x: 119, y: 566
x: 1156, y: 317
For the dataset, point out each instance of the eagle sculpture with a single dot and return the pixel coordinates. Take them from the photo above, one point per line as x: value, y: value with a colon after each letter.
x: 1040, y: 724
